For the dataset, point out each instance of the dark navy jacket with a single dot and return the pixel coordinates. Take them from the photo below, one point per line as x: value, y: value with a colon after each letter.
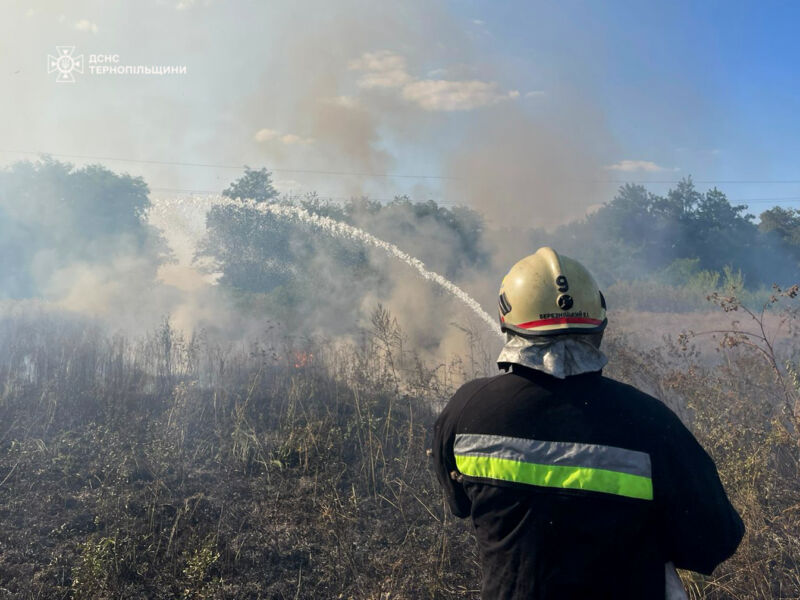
x: 579, y: 488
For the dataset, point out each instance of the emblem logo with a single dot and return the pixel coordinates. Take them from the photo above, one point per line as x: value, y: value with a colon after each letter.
x: 64, y: 64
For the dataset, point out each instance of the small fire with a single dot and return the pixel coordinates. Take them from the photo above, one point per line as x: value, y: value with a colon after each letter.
x: 303, y: 359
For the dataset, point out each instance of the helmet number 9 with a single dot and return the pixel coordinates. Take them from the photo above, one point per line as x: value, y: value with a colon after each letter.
x: 562, y: 284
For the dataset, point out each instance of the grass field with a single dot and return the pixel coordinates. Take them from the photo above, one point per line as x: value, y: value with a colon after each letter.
x: 166, y: 467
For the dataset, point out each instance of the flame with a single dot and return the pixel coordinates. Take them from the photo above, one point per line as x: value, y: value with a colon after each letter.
x: 303, y: 359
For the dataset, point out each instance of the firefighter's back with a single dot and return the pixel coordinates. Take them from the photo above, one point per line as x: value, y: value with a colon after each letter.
x: 579, y: 486
x: 565, y: 481
x: 567, y: 527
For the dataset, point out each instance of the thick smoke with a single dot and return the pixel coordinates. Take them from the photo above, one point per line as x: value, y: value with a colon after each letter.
x: 355, y: 89
x: 345, y: 90
x: 531, y: 170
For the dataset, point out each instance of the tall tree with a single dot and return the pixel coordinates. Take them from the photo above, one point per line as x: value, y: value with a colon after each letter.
x: 53, y: 214
x: 253, y: 250
x: 254, y: 185
x: 783, y: 222
x: 687, y: 224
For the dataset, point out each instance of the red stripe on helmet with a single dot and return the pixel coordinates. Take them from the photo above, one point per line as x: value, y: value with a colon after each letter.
x: 559, y: 321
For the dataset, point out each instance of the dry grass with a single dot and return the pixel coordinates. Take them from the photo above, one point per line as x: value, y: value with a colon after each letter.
x: 169, y: 468
x: 180, y: 468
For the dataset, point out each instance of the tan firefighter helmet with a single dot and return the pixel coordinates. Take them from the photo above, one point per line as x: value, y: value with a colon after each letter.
x: 548, y: 293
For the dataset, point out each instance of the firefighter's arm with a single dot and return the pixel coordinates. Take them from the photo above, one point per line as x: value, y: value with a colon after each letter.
x: 444, y: 463
x: 700, y: 527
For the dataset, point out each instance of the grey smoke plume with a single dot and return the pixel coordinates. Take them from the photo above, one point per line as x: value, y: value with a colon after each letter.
x: 333, y: 87
x: 532, y: 169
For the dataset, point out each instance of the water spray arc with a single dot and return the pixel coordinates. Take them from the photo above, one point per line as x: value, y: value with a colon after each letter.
x: 346, y: 231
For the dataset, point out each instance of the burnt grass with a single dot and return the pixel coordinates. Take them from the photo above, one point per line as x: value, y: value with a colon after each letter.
x: 174, y: 468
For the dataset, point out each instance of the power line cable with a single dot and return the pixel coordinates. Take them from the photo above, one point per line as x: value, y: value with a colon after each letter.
x: 783, y: 200
x: 780, y: 200
x: 388, y: 175
x: 321, y: 195
x: 217, y: 166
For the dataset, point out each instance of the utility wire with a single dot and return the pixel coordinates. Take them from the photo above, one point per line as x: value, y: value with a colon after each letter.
x: 781, y: 200
x: 387, y: 175
x: 322, y: 196
x: 214, y: 166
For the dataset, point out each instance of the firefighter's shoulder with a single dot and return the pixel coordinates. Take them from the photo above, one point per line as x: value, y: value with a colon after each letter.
x: 640, y: 405
x: 463, y: 395
x: 475, y: 386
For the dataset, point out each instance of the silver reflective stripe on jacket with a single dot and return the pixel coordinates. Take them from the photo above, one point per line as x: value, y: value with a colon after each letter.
x: 566, y: 454
x: 565, y: 465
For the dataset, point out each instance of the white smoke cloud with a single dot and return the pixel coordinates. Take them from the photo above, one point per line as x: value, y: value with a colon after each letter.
x: 86, y: 25
x: 320, y: 76
x: 629, y: 166
x: 267, y: 135
x: 432, y: 94
x: 388, y: 70
x: 291, y: 138
x: 381, y: 69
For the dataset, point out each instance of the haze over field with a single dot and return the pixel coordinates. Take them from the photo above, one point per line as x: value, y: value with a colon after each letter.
x: 531, y: 115
x: 525, y: 105
x: 247, y: 249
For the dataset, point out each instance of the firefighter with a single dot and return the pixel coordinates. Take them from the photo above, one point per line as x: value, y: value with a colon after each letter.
x: 578, y: 486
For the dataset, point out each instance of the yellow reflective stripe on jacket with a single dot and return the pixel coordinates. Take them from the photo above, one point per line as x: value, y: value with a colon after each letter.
x: 564, y: 465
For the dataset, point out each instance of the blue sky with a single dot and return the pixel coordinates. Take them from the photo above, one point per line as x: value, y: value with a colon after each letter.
x: 709, y: 88
x: 518, y: 105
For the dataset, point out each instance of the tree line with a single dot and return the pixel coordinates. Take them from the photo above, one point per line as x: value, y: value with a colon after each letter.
x: 52, y: 213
